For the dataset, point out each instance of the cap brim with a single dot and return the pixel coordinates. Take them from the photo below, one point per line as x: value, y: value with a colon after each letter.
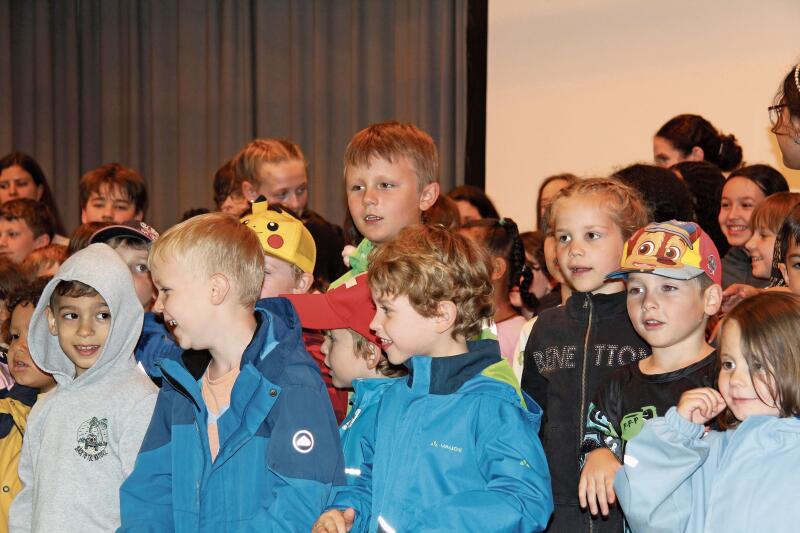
x: 683, y: 273
x: 109, y: 232
x: 315, y: 311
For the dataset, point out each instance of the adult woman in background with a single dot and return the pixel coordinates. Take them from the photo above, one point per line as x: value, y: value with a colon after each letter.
x: 22, y: 177
x: 693, y: 138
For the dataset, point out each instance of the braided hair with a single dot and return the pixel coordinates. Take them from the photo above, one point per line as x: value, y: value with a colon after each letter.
x: 501, y: 238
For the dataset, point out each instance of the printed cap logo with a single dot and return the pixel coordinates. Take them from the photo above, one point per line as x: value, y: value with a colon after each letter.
x: 303, y: 441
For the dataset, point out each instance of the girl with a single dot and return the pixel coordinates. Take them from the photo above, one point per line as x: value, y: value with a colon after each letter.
x: 766, y: 221
x: 693, y: 138
x: 785, y: 117
x: 705, y: 181
x: 677, y: 477
x: 743, y: 191
x: 500, y: 238
x: 573, y: 348
x: 789, y: 253
x: 473, y: 203
x: 22, y: 177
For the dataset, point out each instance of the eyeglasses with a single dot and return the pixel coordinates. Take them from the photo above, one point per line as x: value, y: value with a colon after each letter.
x: 776, y: 115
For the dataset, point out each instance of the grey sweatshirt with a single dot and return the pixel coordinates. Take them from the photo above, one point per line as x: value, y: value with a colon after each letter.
x: 83, y: 438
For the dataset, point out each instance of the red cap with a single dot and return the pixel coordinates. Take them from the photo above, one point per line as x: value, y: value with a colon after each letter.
x: 347, y: 306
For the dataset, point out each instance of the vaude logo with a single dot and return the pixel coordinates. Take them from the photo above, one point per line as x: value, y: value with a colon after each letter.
x: 303, y: 441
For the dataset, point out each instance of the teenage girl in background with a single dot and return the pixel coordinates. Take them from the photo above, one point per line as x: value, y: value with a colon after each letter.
x: 693, y: 138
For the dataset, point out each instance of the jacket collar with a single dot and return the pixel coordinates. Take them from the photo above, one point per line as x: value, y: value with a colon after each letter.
x: 605, y: 305
x: 445, y: 375
x: 365, y: 391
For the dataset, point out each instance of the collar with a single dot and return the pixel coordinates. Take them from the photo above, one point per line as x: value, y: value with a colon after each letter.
x: 579, y: 304
x: 364, y: 390
x: 445, y: 375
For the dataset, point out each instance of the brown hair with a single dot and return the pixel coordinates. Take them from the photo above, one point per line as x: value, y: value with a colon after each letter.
x: 431, y: 264
x: 772, y: 211
x: 249, y: 160
x: 35, y: 214
x: 80, y: 237
x: 542, y: 210
x: 384, y: 366
x: 621, y: 202
x: 391, y: 140
x: 226, y: 182
x: 769, y: 339
x: 71, y: 289
x: 444, y: 211
x: 44, y: 258
x: 114, y: 175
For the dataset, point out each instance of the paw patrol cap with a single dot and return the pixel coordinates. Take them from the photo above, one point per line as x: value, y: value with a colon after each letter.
x: 282, y: 235
x: 673, y: 249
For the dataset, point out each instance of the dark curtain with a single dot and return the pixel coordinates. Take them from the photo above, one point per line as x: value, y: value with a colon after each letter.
x: 174, y: 88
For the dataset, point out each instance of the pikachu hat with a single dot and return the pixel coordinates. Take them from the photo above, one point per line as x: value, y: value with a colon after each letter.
x: 282, y: 235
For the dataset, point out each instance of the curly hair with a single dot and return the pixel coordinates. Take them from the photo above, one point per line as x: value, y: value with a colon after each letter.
x: 431, y: 264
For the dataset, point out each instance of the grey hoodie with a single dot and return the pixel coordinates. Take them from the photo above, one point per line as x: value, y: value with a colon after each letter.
x: 83, y: 437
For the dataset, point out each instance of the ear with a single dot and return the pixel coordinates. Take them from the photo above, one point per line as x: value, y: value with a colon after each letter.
x: 303, y: 284
x: 428, y: 196
x: 41, y: 241
x: 249, y: 191
x: 39, y: 192
x: 712, y: 300
x: 84, y: 218
x: 374, y: 356
x: 51, y: 321
x: 220, y: 286
x: 138, y: 216
x: 782, y: 268
x: 446, y: 312
x: 499, y: 268
x: 696, y: 154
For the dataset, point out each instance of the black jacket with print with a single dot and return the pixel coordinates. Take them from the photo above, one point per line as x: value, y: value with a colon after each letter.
x: 571, y: 351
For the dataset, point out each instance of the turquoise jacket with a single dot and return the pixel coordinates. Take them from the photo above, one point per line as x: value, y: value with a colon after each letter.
x: 678, y: 479
x: 454, y: 448
x: 360, y: 419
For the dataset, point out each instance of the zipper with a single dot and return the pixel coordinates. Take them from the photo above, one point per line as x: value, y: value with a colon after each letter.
x: 581, y: 418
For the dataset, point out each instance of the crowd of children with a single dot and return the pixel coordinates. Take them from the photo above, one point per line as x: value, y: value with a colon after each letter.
x: 631, y: 366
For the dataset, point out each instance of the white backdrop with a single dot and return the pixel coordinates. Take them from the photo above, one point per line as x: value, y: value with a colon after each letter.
x: 581, y: 87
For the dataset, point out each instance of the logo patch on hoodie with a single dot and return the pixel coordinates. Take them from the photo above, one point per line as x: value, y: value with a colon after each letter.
x: 93, y: 439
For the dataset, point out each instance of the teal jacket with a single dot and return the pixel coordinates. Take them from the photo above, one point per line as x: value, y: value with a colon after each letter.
x: 454, y: 448
x: 676, y: 478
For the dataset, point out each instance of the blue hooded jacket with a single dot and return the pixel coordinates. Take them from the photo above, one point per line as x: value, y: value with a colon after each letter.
x: 453, y: 449
x: 676, y: 478
x: 279, y: 449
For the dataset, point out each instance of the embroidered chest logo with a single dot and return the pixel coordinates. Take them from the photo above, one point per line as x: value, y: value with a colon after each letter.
x: 93, y: 439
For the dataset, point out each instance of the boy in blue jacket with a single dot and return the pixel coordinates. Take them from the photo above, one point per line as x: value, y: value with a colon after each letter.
x: 454, y: 446
x: 243, y: 436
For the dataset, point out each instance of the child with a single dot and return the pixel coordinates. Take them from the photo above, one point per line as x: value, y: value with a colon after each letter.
x: 673, y: 277
x: 25, y: 225
x: 82, y: 438
x: 228, y: 193
x: 789, y: 238
x: 112, y: 193
x: 500, y: 238
x: 353, y: 354
x: 44, y: 261
x: 243, y: 432
x: 15, y: 406
x: 391, y: 175
x: 454, y: 447
x: 573, y: 349
x: 680, y: 477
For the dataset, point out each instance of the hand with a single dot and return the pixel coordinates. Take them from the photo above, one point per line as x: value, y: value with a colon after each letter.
x: 735, y: 294
x: 347, y: 251
x: 335, y: 521
x: 700, y: 405
x: 596, y: 487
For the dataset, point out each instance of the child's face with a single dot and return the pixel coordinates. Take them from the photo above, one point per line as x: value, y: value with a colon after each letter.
x: 384, y: 197
x: 791, y: 268
x: 341, y: 357
x: 81, y: 325
x: 235, y: 204
x: 15, y: 182
x: 760, y: 247
x: 279, y: 277
x: 739, y: 197
x: 588, y: 245
x: 109, y: 204
x: 744, y: 398
x: 402, y: 330
x: 17, y: 240
x: 23, y: 369
x: 137, y: 263
x: 667, y: 312
x: 285, y: 184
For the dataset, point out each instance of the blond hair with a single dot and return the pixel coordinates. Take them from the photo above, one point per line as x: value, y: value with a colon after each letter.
x: 216, y: 243
x: 431, y: 264
x: 390, y: 141
x: 621, y: 202
x: 251, y: 158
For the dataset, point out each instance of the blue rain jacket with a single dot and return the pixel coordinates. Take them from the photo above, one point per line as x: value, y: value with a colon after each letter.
x: 454, y: 448
x: 676, y: 479
x: 279, y: 449
x: 155, y: 343
x: 360, y: 419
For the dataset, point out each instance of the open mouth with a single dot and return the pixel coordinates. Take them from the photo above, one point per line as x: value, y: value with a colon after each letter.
x: 738, y: 228
x: 369, y: 219
x: 579, y: 270
x: 652, y: 324
x: 87, y: 350
x: 385, y: 343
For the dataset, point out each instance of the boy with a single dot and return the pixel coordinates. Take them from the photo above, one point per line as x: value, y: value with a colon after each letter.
x: 243, y: 432
x: 276, y: 169
x: 673, y: 274
x: 16, y: 404
x: 82, y: 437
x: 112, y: 193
x: 455, y: 439
x: 391, y: 175
x: 25, y: 225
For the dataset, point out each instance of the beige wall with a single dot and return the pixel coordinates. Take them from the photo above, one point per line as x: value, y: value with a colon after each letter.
x: 582, y: 86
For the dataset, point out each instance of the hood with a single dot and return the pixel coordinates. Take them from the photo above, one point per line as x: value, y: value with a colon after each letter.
x: 100, y: 267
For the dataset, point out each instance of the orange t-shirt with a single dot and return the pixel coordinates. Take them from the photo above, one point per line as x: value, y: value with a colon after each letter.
x: 217, y: 395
